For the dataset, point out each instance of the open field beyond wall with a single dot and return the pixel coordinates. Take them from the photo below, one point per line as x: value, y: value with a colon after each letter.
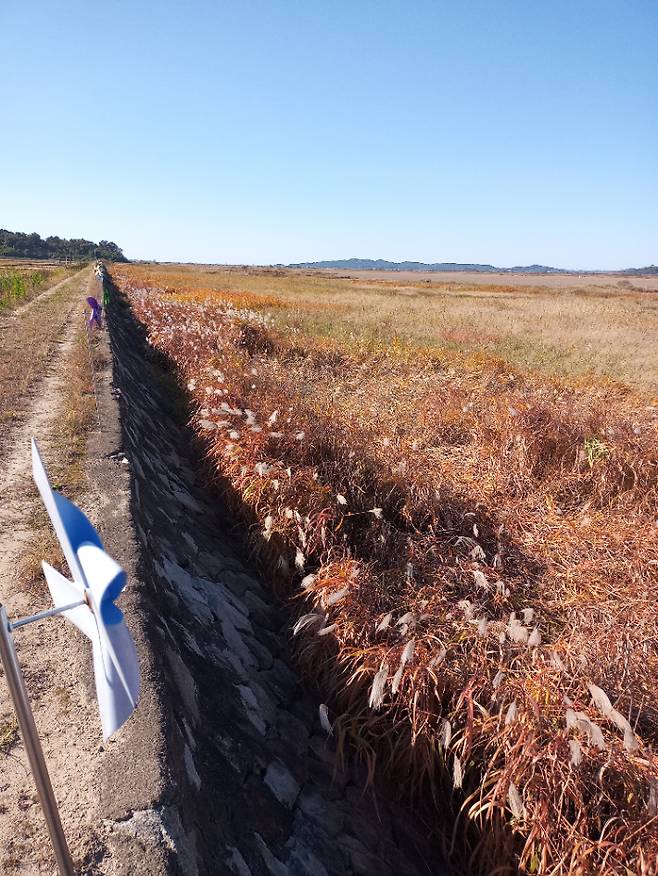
x: 457, y: 487
x: 559, y: 325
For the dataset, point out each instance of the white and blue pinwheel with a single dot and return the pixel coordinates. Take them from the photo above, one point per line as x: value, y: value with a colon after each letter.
x: 89, y: 601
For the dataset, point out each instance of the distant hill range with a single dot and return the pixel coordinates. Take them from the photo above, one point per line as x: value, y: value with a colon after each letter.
x: 383, y: 265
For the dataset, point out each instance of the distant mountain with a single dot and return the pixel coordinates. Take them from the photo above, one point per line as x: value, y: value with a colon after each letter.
x: 383, y: 265
x: 534, y: 269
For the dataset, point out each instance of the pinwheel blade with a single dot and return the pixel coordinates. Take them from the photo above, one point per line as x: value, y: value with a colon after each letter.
x: 99, y: 580
x: 117, y: 694
x: 70, y: 524
x: 65, y: 592
x: 117, y: 676
x: 107, y: 580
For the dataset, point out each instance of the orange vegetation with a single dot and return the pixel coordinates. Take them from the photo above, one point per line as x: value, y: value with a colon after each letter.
x: 473, y: 560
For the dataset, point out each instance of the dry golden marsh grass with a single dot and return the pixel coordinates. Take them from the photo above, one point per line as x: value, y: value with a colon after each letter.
x: 465, y: 524
x: 591, y: 327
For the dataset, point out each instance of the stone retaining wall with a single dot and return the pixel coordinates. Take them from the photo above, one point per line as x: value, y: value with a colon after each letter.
x: 249, y: 782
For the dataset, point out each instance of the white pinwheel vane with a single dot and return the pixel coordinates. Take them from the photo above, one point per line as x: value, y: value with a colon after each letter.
x: 89, y: 602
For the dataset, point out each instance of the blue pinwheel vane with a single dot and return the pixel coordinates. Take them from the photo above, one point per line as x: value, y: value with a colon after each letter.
x: 88, y: 601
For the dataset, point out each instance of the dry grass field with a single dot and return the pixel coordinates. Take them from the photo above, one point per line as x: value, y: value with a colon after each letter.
x: 611, y: 282
x: 588, y: 327
x: 456, y: 486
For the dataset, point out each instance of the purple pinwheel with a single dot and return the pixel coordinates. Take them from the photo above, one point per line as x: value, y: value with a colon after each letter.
x: 96, y: 315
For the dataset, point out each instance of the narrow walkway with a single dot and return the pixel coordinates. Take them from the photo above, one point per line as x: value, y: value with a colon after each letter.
x: 53, y: 659
x: 16, y: 486
x: 29, y: 337
x: 39, y: 299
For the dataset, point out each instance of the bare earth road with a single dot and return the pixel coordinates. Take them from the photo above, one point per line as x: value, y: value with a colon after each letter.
x: 51, y: 655
x: 28, y: 339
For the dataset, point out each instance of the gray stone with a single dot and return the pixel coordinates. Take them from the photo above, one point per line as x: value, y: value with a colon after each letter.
x: 190, y: 641
x: 227, y: 607
x: 302, y: 862
x: 237, y: 863
x: 263, y: 655
x: 213, y: 565
x: 186, y: 499
x: 322, y: 811
x: 232, y: 661
x: 237, y: 580
x: 190, y: 541
x: 292, y: 731
x: 227, y: 746
x: 241, y: 645
x: 252, y: 708
x: 285, y: 682
x: 191, y: 769
x: 161, y: 827
x: 260, y: 611
x: 363, y: 862
x: 281, y: 783
x: 274, y: 865
x: 185, y: 684
x: 186, y: 586
x: 188, y: 733
x: 310, y: 845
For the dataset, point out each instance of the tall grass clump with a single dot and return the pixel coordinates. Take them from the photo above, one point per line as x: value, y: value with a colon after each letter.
x: 471, y: 556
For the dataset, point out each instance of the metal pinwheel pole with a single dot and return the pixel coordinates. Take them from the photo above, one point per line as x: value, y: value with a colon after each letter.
x: 32, y: 743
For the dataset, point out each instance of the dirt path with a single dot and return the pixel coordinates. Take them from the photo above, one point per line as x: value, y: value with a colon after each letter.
x: 39, y: 299
x: 39, y: 417
x: 52, y: 656
x: 28, y: 337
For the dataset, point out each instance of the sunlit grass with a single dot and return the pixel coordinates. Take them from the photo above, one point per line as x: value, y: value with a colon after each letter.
x: 573, y: 331
x: 470, y: 538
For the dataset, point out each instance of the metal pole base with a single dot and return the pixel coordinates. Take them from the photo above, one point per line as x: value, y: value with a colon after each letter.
x: 32, y: 743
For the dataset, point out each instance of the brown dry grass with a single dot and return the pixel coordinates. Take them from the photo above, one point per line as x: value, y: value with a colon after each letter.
x: 582, y: 329
x: 8, y: 734
x: 473, y: 552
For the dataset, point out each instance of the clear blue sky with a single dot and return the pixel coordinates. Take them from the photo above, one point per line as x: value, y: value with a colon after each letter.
x: 260, y: 132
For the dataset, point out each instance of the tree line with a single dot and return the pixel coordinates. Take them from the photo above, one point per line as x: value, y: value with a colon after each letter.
x: 16, y: 244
